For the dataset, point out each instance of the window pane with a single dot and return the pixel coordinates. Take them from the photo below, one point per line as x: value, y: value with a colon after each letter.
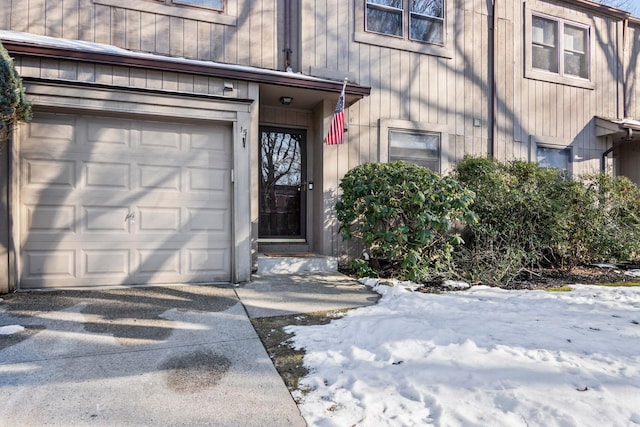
x: 397, y: 4
x: 575, y: 45
x: 545, y: 58
x: 421, y: 148
x: 575, y: 39
x: 554, y: 158
x: 544, y: 31
x: 544, y: 50
x: 428, y: 7
x: 427, y: 30
x: 575, y: 64
x: 215, y: 4
x: 384, y: 21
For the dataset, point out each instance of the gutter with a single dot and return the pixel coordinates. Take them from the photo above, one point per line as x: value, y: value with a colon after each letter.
x: 597, y: 7
x: 198, y: 67
x: 603, y: 159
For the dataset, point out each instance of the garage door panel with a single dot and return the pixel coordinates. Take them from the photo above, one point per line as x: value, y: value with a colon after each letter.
x: 102, y: 132
x: 49, y: 218
x: 159, y: 135
x: 214, y: 139
x: 49, y: 264
x: 106, y: 262
x: 160, y: 177
x: 159, y: 261
x: 207, y: 219
x: 50, y: 128
x: 207, y: 261
x: 41, y: 173
x: 208, y: 180
x: 152, y: 219
x: 106, y: 219
x: 104, y: 175
x: 79, y: 187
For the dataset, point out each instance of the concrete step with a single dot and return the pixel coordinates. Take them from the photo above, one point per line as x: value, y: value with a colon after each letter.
x: 296, y: 263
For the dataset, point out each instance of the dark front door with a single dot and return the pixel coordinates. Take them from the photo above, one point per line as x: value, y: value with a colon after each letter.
x: 282, y: 184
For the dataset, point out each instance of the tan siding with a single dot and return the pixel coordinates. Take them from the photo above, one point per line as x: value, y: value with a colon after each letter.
x: 633, y: 72
x: 163, y: 35
x: 19, y: 17
x: 70, y: 19
x: 102, y: 24
x: 203, y: 40
x: 133, y: 30
x: 37, y: 16
x: 54, y: 19
x: 124, y: 76
x: 449, y: 91
x: 252, y: 41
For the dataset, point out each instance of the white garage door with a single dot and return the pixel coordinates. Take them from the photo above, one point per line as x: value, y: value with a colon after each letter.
x: 110, y: 201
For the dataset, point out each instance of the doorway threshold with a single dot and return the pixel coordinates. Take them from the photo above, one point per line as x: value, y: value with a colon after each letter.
x: 285, y: 263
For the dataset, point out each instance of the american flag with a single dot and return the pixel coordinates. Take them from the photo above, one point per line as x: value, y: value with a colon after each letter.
x: 336, y: 131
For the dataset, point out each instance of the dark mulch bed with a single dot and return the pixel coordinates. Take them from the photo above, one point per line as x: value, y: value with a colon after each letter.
x: 551, y: 278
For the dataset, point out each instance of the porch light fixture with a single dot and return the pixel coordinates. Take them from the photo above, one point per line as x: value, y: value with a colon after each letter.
x: 285, y: 100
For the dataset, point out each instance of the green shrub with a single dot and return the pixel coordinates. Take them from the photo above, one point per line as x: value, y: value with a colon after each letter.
x: 13, y: 104
x: 403, y: 215
x: 610, y: 226
x: 518, y: 218
x: 531, y: 217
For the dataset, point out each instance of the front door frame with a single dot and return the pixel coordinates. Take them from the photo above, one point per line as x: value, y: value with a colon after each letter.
x: 300, y: 242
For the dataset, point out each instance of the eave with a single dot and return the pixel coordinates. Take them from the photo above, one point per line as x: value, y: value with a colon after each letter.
x: 28, y: 45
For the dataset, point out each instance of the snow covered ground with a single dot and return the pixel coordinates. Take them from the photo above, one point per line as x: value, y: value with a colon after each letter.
x: 482, y: 357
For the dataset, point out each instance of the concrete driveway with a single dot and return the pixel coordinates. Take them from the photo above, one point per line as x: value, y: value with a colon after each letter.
x: 178, y: 355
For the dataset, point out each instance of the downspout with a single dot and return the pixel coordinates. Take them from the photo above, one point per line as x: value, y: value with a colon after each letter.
x: 623, y: 74
x: 603, y: 159
x: 287, y: 35
x: 493, y: 149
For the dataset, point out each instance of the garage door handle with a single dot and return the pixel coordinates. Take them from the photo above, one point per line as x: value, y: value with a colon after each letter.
x: 130, y: 217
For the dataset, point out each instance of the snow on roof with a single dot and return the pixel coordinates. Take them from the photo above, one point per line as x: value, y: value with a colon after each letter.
x: 99, y: 48
x: 628, y: 123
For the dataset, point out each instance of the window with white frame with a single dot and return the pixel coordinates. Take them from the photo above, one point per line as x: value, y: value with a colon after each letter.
x: 213, y: 11
x: 210, y: 4
x: 415, y: 20
x: 418, y: 147
x: 420, y: 143
x: 560, y: 47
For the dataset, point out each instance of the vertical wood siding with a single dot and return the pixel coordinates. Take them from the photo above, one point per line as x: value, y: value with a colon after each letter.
x: 418, y: 87
x: 456, y: 92
x: 632, y: 72
x: 126, y: 77
x: 252, y: 41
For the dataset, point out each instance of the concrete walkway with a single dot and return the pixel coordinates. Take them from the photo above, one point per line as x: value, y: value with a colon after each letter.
x: 171, y: 355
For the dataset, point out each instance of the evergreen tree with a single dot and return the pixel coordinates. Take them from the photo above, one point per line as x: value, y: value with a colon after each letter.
x: 13, y: 104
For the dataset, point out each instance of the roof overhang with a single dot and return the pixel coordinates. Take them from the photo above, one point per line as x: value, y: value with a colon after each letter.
x: 601, y: 8
x: 616, y: 127
x: 29, y: 45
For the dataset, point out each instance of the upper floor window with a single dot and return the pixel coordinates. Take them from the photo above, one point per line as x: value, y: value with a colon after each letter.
x: 416, y: 20
x: 559, y: 47
x: 213, y: 11
x: 211, y: 4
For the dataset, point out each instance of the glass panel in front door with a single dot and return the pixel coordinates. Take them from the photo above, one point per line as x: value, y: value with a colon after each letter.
x: 282, y: 186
